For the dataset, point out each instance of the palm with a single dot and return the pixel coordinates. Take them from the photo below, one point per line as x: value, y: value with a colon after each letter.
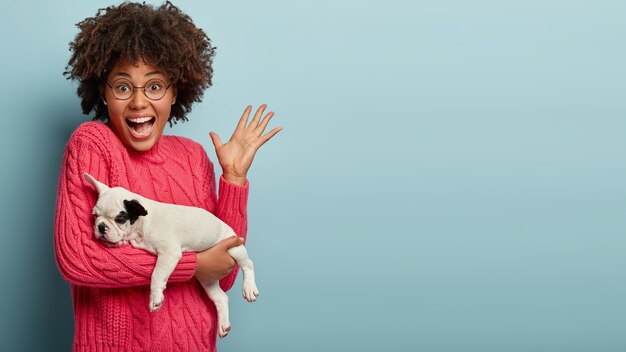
x: 236, y: 155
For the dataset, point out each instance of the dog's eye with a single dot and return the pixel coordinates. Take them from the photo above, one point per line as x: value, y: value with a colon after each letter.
x: 120, y: 219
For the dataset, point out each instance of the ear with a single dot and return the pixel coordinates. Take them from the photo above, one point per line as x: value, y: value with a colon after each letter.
x: 175, y: 94
x: 134, y: 210
x: 100, y: 187
x: 102, y: 95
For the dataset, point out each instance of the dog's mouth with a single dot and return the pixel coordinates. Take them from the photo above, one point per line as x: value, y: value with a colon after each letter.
x: 140, y: 127
x: 109, y: 243
x: 106, y: 239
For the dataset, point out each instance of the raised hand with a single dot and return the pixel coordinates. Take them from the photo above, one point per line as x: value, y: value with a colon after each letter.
x: 236, y: 155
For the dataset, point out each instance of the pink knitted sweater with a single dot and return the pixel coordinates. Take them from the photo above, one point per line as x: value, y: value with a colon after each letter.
x: 110, y: 286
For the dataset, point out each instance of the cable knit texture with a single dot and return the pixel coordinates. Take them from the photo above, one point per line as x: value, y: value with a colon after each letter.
x: 110, y: 286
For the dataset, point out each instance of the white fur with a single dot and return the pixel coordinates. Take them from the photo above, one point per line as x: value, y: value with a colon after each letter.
x: 168, y: 230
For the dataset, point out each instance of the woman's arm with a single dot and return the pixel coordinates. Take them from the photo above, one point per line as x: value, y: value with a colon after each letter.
x: 235, y: 158
x: 82, y: 259
x: 232, y: 209
x: 216, y: 263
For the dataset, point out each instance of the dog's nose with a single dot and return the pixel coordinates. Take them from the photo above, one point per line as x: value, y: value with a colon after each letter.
x: 102, y: 228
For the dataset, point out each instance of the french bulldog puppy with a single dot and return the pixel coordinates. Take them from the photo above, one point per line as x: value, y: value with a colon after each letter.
x: 167, y: 230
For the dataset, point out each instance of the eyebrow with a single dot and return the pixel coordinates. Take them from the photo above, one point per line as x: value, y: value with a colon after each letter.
x: 151, y: 73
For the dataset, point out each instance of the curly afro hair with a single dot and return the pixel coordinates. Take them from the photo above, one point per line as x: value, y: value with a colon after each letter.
x: 163, y: 36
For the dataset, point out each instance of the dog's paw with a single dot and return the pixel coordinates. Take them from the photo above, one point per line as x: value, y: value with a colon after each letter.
x: 224, y: 330
x: 155, y: 306
x: 250, y: 291
x: 156, y: 301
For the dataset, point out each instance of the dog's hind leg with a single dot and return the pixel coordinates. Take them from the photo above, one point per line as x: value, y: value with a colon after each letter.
x: 165, y: 264
x: 250, y: 291
x: 220, y: 300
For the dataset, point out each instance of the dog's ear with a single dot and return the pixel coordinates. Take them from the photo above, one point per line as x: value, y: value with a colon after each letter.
x: 99, y: 186
x: 134, y: 210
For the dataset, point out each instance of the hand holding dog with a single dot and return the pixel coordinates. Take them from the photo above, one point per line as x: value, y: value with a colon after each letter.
x: 236, y: 155
x: 215, y: 263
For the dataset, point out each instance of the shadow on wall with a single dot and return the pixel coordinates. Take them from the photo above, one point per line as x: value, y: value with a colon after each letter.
x: 44, y: 309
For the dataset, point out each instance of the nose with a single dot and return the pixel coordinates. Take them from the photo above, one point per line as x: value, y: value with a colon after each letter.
x: 102, y: 228
x: 139, y: 100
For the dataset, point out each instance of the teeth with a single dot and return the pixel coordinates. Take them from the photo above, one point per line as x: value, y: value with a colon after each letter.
x: 140, y: 119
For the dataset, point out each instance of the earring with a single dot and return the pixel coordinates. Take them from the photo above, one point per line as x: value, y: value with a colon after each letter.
x: 104, y: 101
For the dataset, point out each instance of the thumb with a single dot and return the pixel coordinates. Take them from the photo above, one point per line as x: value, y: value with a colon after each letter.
x: 217, y: 143
x: 231, y: 242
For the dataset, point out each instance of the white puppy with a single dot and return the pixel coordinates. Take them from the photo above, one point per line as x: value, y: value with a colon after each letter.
x: 167, y: 230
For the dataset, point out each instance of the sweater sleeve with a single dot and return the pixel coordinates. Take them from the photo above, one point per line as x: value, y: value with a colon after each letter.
x: 83, y: 260
x: 231, y: 208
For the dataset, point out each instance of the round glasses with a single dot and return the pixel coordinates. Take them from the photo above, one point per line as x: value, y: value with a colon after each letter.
x: 123, y: 89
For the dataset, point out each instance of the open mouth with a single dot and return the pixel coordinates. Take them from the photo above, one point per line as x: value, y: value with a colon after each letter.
x: 140, y: 127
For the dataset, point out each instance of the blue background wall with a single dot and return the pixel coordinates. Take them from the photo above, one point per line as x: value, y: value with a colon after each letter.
x: 450, y: 177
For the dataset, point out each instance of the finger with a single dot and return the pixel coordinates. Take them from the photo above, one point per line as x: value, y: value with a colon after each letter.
x: 243, y: 121
x: 263, y: 139
x: 261, y: 128
x: 217, y: 143
x: 257, y: 116
x: 231, y: 242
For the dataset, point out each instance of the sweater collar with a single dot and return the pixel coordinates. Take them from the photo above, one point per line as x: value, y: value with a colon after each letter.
x: 153, y: 155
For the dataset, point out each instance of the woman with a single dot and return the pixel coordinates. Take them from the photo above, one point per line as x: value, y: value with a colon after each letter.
x: 139, y: 67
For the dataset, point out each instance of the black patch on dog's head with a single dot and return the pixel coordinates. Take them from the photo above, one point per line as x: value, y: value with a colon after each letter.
x: 134, y: 209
